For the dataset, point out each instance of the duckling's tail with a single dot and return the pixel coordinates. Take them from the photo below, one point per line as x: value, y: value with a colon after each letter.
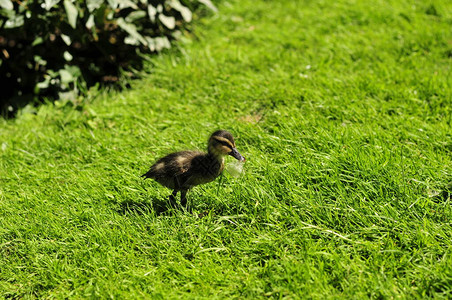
x: 147, y: 175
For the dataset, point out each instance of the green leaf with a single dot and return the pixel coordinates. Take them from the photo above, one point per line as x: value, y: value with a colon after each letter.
x: 71, y: 12
x: 44, y: 84
x: 152, y: 11
x: 90, y: 22
x: 126, y: 4
x: 67, y: 56
x: 93, y: 4
x: 51, y: 3
x: 9, y: 14
x: 131, y: 29
x: 130, y: 40
x: 135, y: 15
x: 169, y: 22
x: 113, y: 4
x: 209, y: 4
x: 151, y: 43
x: 184, y: 11
x: 69, y: 74
x: 66, y: 39
x: 39, y: 60
x: 66, y: 76
x: 37, y: 41
x: 162, y: 43
x: 70, y: 95
x: 14, y: 22
x: 6, y: 4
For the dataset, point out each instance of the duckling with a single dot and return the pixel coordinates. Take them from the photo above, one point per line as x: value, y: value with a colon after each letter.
x: 180, y: 171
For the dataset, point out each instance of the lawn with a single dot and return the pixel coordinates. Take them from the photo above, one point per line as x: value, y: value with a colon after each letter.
x: 343, y: 110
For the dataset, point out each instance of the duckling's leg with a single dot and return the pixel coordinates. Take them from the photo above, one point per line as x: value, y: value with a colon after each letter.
x: 183, y: 199
x: 172, y: 198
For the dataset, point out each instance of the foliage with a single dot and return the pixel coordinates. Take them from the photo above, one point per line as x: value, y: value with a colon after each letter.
x: 343, y: 110
x: 58, y: 48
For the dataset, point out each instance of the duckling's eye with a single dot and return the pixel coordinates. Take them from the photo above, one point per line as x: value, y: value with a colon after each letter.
x: 225, y: 144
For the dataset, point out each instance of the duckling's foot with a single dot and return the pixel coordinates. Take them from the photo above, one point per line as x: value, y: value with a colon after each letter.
x: 172, y: 198
x: 183, y: 198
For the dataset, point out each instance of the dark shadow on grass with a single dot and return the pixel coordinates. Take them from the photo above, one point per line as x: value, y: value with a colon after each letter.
x: 199, y: 204
x: 157, y: 206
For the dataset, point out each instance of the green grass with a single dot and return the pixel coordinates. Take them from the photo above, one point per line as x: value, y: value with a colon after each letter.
x: 343, y: 111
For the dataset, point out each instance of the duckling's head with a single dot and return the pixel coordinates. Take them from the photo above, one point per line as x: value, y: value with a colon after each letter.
x: 222, y: 143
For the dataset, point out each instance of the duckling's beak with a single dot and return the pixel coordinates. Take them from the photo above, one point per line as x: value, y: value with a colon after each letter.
x: 234, y: 153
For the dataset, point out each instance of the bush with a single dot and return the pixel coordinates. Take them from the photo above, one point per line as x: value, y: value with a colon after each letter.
x: 59, y: 48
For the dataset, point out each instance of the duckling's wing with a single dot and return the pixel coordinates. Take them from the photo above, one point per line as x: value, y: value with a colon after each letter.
x: 180, y: 162
x: 172, y: 165
x: 174, y: 170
